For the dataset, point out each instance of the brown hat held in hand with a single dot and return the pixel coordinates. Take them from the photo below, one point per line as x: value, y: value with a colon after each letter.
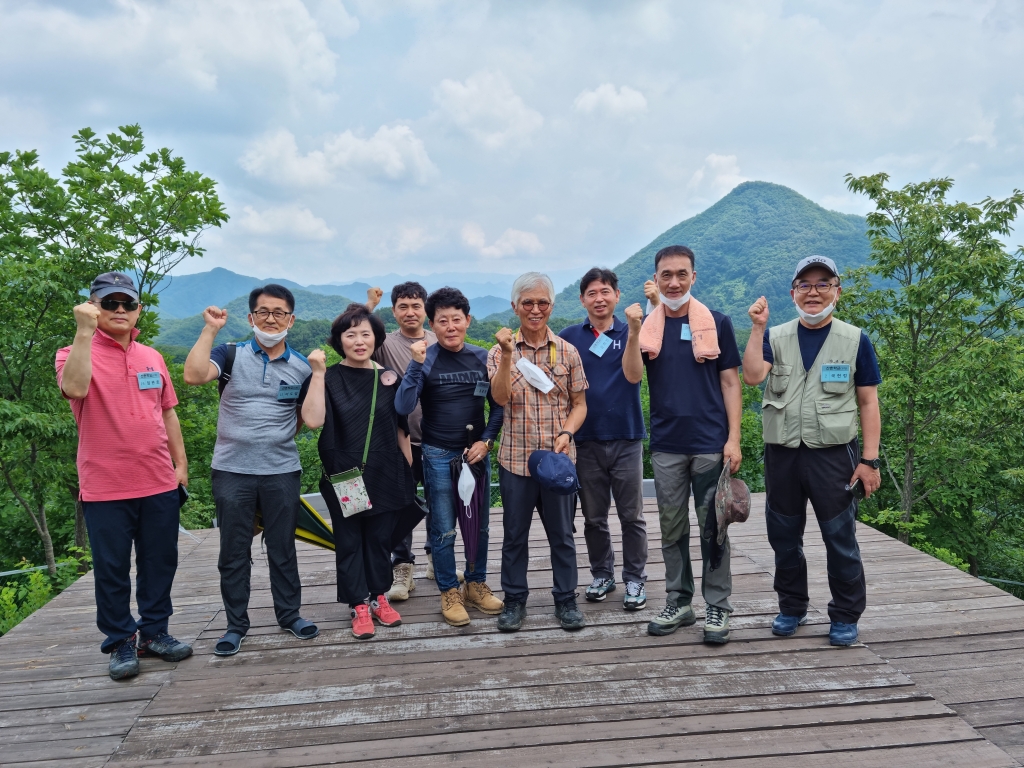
x: 732, y: 502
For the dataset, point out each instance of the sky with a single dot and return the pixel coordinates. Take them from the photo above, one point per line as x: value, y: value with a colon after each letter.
x: 361, y: 138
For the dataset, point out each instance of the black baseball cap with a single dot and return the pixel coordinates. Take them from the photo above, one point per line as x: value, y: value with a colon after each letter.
x: 113, y: 282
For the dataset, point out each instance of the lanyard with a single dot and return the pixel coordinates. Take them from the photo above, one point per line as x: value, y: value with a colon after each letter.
x: 552, y: 354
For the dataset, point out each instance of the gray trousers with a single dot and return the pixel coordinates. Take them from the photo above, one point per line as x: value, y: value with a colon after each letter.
x: 237, y: 497
x: 674, y: 476
x: 606, y: 469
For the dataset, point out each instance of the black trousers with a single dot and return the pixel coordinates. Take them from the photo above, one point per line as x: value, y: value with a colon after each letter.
x: 403, y: 550
x: 792, y: 477
x: 151, y: 524
x: 237, y: 497
x: 362, y: 550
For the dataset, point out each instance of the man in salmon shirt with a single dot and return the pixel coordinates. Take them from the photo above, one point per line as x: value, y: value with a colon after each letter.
x: 131, y: 463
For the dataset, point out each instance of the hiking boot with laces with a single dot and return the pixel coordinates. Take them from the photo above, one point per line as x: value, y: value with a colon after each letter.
x: 124, y: 659
x: 165, y: 647
x: 512, y: 615
x: 479, y: 595
x: 672, y: 618
x: 453, y: 609
x: 842, y: 634
x: 384, y: 613
x: 636, y: 596
x: 460, y: 575
x: 362, y: 622
x: 569, y: 615
x: 716, y: 626
x: 785, y: 625
x: 599, y: 589
x: 403, y: 582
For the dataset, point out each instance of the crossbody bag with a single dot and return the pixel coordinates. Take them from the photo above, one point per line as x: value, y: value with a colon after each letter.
x: 349, y: 486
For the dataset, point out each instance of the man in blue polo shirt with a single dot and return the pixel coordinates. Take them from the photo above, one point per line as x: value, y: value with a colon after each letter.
x: 255, y: 462
x: 609, y: 445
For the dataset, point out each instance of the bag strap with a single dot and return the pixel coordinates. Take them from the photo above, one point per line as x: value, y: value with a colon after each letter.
x: 229, y: 363
x: 373, y: 410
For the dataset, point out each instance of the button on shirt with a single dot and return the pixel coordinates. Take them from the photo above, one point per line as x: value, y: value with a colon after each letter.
x: 122, y: 441
x: 532, y: 420
x: 613, y: 404
x: 257, y: 418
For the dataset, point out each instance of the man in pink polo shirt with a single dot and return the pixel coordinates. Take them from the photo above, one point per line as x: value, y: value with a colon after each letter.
x: 131, y: 464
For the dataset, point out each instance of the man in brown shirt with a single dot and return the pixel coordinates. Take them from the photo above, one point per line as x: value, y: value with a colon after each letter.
x: 536, y: 420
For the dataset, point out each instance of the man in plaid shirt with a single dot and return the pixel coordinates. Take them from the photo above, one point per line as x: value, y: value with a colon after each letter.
x: 536, y: 421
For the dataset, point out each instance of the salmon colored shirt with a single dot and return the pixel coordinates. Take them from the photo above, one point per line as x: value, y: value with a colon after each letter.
x: 122, y: 441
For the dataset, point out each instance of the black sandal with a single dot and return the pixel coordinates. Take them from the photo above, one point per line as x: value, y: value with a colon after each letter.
x: 229, y: 644
x: 302, y: 629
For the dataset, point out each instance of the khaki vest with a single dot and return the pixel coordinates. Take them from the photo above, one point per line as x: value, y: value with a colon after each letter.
x: 797, y: 406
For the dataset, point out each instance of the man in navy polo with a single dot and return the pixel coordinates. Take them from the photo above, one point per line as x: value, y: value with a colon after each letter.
x: 609, y: 445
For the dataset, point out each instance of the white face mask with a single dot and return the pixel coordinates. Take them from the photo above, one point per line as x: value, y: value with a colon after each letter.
x: 673, y: 304
x: 269, y: 339
x: 818, y: 317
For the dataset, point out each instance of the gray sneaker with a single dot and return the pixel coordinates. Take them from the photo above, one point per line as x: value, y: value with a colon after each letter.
x: 716, y: 626
x: 599, y: 589
x: 672, y: 618
x: 636, y: 596
x: 124, y: 660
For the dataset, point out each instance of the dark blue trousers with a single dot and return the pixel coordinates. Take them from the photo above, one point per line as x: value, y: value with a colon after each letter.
x: 151, y: 524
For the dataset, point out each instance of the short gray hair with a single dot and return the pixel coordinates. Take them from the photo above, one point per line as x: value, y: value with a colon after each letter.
x: 529, y: 280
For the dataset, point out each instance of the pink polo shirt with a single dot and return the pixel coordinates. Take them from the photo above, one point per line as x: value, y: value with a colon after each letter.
x: 122, y: 441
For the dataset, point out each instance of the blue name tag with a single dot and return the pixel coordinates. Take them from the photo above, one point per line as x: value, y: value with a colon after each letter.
x: 601, y: 343
x: 835, y: 372
x: 481, y: 388
x: 685, y: 334
x: 149, y: 380
x: 288, y: 391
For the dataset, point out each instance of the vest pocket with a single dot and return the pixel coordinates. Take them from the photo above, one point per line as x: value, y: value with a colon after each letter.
x: 773, y: 421
x: 778, y: 378
x: 837, y: 387
x: 837, y: 422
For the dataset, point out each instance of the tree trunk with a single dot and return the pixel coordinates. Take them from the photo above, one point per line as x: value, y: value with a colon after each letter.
x: 81, y: 533
x: 44, y: 534
x: 972, y: 563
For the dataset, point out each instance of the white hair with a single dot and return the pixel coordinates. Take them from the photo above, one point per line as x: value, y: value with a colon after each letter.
x: 529, y: 280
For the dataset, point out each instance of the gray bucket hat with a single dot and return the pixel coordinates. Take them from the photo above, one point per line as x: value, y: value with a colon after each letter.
x: 732, y: 502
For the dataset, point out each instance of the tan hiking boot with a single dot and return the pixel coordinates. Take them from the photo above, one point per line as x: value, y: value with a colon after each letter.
x: 430, y: 569
x: 403, y: 583
x: 479, y: 595
x: 453, y: 609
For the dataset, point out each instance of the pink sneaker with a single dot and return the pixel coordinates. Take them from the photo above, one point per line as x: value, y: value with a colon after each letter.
x: 362, y: 623
x: 384, y: 613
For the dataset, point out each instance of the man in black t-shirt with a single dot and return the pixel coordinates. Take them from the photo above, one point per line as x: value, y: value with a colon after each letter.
x: 449, y: 380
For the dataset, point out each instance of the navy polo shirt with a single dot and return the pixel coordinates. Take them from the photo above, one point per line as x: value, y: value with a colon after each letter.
x: 613, y: 404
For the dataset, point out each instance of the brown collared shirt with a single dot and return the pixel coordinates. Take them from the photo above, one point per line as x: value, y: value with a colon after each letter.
x: 533, y: 419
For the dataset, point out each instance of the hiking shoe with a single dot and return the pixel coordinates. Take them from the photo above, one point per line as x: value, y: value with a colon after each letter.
x: 166, y: 647
x: 362, y: 622
x: 672, y: 618
x: 512, y: 615
x: 636, y: 596
x: 384, y: 613
x: 403, y: 583
x: 599, y: 589
x: 785, y: 625
x: 124, y: 659
x: 842, y: 634
x: 479, y: 595
x: 716, y: 626
x: 453, y: 609
x: 569, y: 615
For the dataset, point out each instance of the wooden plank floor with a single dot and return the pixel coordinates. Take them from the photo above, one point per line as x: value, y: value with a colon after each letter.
x: 938, y: 680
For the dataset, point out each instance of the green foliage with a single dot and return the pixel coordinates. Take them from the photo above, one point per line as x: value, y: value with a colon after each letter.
x: 27, y: 592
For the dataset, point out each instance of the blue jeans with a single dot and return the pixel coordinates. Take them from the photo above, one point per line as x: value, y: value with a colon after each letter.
x: 444, y: 515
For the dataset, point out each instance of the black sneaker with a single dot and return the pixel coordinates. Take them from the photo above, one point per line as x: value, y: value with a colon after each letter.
x: 569, y: 614
x: 599, y: 589
x: 512, y: 615
x: 124, y: 660
x: 165, y: 647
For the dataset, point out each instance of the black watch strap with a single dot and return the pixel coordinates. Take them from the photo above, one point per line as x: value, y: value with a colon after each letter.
x: 565, y: 432
x: 873, y: 463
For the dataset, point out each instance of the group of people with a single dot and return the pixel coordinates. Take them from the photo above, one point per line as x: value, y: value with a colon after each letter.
x: 397, y: 409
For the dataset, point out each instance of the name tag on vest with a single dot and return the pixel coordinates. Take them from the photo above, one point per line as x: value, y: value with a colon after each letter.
x: 601, y: 344
x: 835, y: 372
x: 149, y: 380
x: 480, y: 390
x: 288, y: 391
x: 685, y: 334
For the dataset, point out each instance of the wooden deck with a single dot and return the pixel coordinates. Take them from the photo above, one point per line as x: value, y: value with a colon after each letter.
x: 939, y: 680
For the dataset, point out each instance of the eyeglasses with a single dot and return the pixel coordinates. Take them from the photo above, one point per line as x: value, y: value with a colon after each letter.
x: 820, y: 287
x: 111, y: 305
x: 530, y: 304
x: 263, y: 314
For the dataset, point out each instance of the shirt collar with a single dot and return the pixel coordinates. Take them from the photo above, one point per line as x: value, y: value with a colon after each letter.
x: 258, y: 350
x: 520, y: 339
x: 617, y: 325
x: 110, y: 341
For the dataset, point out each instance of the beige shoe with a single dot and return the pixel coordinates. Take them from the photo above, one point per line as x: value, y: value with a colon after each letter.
x: 430, y: 566
x: 479, y: 595
x: 453, y: 609
x: 403, y: 583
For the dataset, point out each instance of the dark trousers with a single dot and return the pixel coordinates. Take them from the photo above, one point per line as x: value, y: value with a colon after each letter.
x: 362, y: 550
x: 519, y: 497
x: 608, y: 468
x: 792, y: 476
x: 151, y: 524
x: 237, y: 497
x: 402, y: 552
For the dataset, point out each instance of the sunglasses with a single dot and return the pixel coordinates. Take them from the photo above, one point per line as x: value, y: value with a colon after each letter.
x: 111, y: 305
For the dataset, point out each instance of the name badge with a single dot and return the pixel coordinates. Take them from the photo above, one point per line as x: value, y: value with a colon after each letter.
x: 481, y: 389
x: 288, y: 391
x: 685, y: 334
x: 149, y: 380
x: 835, y: 372
x: 601, y: 343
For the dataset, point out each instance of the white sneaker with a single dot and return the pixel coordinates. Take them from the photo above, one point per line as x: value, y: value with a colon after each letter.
x: 403, y: 582
x: 716, y: 626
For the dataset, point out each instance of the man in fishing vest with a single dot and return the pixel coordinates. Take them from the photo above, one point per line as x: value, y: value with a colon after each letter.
x: 823, y: 382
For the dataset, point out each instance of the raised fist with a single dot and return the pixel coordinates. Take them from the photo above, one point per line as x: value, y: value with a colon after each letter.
x: 635, y: 317
x: 652, y: 293
x: 419, y: 351
x: 373, y: 297
x: 87, y: 315
x: 317, y: 361
x: 506, y: 340
x: 215, y: 317
x: 759, y: 312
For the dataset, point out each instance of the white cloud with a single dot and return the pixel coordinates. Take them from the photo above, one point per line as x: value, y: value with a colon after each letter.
x: 721, y: 171
x: 624, y: 102
x: 333, y: 19
x: 392, y: 154
x: 412, y: 239
x: 289, y: 220
x: 509, y: 243
x: 488, y: 109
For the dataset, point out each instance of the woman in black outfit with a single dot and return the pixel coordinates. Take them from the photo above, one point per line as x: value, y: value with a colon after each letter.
x: 339, y: 400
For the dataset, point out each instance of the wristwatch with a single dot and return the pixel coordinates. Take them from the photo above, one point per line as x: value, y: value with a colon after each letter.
x: 489, y: 444
x: 873, y: 463
x: 565, y: 432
